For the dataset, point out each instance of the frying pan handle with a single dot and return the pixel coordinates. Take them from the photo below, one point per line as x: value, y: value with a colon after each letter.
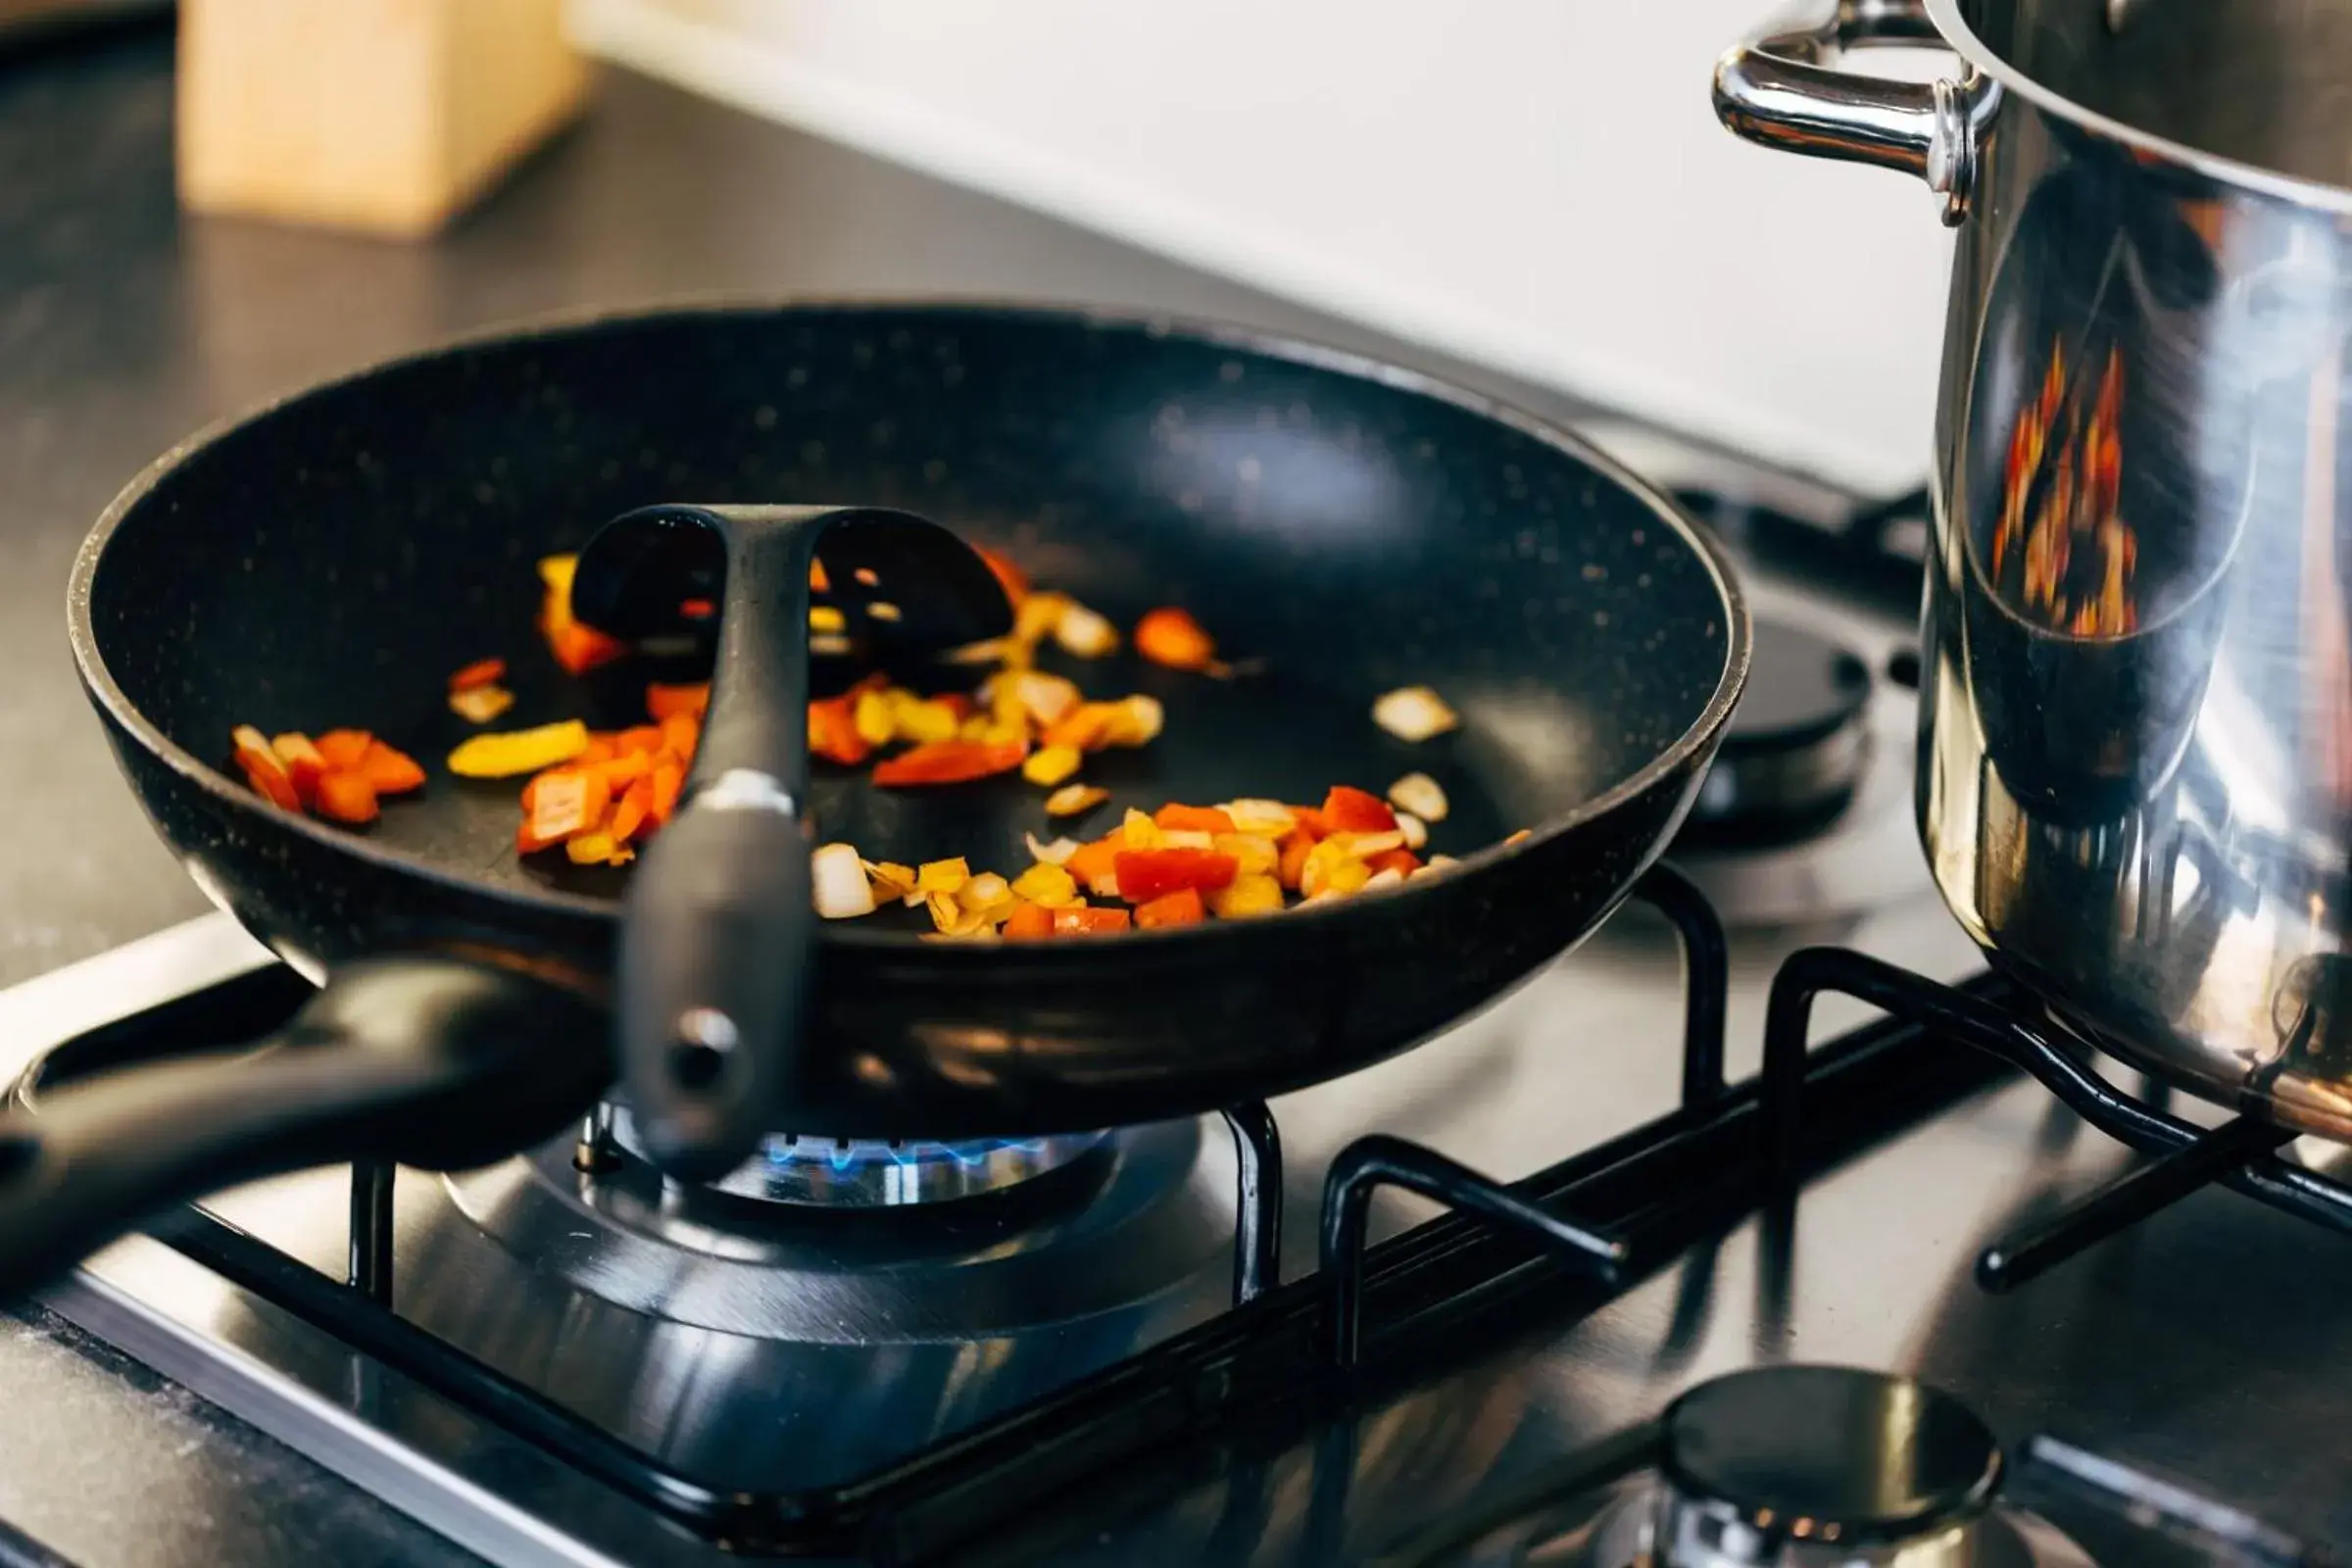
x: 719, y: 937
x: 1784, y: 91
x: 441, y: 1062
x: 715, y: 960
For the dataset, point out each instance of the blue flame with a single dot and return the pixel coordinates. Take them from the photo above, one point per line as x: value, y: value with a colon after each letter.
x: 844, y: 1156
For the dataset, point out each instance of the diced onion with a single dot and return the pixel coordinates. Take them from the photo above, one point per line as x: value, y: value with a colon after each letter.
x: 837, y: 878
x: 1072, y: 799
x: 1420, y: 795
x: 1085, y: 633
x: 1254, y: 853
x: 479, y: 704
x: 1036, y: 617
x: 1364, y: 846
x: 1383, y: 880
x: 986, y: 893
x: 1415, y: 831
x: 990, y: 651
x: 1269, y: 817
x: 1056, y: 853
x: 1138, y: 721
x: 1333, y: 867
x: 890, y: 879
x: 1413, y: 714
x: 1047, y: 697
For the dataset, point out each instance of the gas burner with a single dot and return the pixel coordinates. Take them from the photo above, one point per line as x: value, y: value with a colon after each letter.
x: 1812, y: 1467
x: 869, y: 1174
x: 1795, y: 750
x: 1804, y: 1463
x: 1806, y: 815
x: 1143, y: 1207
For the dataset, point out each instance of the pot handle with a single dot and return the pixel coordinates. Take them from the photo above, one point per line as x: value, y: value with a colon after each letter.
x: 1786, y: 91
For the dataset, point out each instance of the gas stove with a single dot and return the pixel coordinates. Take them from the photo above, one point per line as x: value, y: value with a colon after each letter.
x: 1702, y: 1297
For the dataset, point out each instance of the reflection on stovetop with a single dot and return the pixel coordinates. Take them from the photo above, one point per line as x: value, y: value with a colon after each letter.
x: 2203, y: 1344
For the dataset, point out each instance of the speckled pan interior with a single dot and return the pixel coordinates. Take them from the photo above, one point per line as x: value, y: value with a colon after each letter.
x: 1343, y: 528
x: 328, y: 563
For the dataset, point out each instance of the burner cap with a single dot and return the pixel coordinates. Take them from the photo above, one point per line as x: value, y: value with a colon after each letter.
x: 1794, y: 748
x: 1830, y: 1454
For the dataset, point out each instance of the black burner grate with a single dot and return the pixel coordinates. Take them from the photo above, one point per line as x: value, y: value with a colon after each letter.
x: 1564, y: 1241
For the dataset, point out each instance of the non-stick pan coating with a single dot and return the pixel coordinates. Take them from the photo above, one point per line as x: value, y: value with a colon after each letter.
x: 330, y: 561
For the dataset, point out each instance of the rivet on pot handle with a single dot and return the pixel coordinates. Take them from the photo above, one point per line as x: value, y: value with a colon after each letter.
x: 1779, y: 93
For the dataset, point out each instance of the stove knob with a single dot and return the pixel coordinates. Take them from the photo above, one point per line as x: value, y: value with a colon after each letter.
x: 1823, y: 1467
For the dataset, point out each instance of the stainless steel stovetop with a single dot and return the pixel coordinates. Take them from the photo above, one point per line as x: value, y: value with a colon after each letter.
x: 764, y: 1353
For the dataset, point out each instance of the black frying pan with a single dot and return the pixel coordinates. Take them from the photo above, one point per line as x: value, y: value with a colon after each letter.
x: 1344, y: 526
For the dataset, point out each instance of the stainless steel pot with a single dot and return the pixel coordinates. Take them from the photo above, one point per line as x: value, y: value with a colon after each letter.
x: 2135, y: 743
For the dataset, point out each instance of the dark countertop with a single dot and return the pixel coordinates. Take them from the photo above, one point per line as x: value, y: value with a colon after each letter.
x: 107, y: 1465
x: 124, y: 325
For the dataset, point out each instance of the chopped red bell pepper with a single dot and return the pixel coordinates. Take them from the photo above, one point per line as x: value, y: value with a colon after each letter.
x: 1147, y: 874
x: 1309, y: 822
x: 1015, y: 582
x: 481, y: 673
x: 581, y: 648
x: 1183, y: 908
x: 662, y: 700
x: 1404, y: 862
x: 1028, y: 922
x: 956, y: 761
x: 1090, y: 862
x: 344, y: 749
x: 1353, y: 811
x: 1193, y: 819
x: 681, y: 733
x: 1087, y: 920
x: 635, y: 811
x: 389, y: 771
x: 303, y: 763
x: 264, y: 770
x: 833, y: 732
x: 668, y: 778
x: 563, y: 804
x: 347, y: 798
x: 624, y: 769
x: 1172, y: 637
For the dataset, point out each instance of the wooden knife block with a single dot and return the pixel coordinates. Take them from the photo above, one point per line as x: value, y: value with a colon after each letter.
x: 388, y: 117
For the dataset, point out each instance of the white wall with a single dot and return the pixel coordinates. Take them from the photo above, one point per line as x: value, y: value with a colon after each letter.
x: 1536, y: 184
